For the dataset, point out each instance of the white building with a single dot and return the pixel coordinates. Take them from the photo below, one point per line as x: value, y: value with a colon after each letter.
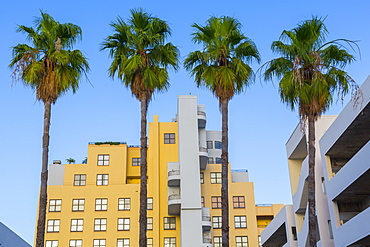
x: 342, y: 182
x: 8, y: 238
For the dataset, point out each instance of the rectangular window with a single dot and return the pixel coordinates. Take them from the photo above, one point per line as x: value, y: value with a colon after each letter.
x: 210, y: 160
x: 149, y: 242
x: 202, y: 201
x: 123, y: 224
x: 53, y: 226
x: 100, y: 225
x: 209, y: 144
x: 238, y: 201
x: 217, y: 222
x: 218, y: 145
x: 51, y: 243
x: 202, y: 178
x: 240, y: 221
x: 217, y: 241
x: 77, y: 225
x: 80, y: 180
x: 124, y: 204
x: 101, y: 204
x: 149, y: 203
x: 149, y: 223
x: 216, y: 178
x: 125, y: 242
x: 78, y: 205
x: 102, y: 179
x: 218, y: 161
x: 241, y: 241
x: 170, y: 223
x: 99, y: 243
x: 75, y: 243
x: 55, y: 205
x: 216, y: 202
x: 169, y: 138
x: 103, y: 160
x: 136, y: 161
x: 169, y: 242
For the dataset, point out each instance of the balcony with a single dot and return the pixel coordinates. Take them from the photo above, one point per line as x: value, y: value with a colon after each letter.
x: 203, y: 157
x: 202, y: 119
x: 174, y: 178
x: 300, y: 198
x: 206, y: 220
x: 174, y: 204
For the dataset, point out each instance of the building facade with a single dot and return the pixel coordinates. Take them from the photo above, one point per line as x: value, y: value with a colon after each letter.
x: 97, y: 204
x: 342, y: 182
x: 8, y: 238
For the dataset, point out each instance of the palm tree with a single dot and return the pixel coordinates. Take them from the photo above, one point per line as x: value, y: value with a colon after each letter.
x: 71, y: 160
x: 140, y: 60
x: 310, y: 71
x: 51, y: 69
x: 222, y: 67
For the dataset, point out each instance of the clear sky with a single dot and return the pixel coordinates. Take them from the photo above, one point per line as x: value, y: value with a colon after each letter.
x: 104, y: 110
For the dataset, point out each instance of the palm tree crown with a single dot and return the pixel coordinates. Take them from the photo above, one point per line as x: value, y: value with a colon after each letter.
x: 222, y: 64
x: 47, y: 66
x: 140, y: 55
x: 310, y: 69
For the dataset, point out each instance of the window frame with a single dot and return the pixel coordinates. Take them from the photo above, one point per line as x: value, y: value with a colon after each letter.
x: 123, y: 242
x: 218, y: 160
x: 216, y: 177
x: 102, y: 179
x: 77, y: 225
x: 238, y: 203
x: 137, y: 161
x: 241, y: 242
x: 149, y: 203
x: 202, y: 201
x: 75, y: 242
x: 79, y: 205
x: 103, y: 206
x: 79, y: 180
x: 53, y: 204
x: 51, y: 243
x: 169, y: 138
x: 240, y: 221
x: 53, y: 225
x: 126, y: 205
x: 216, y: 222
x: 100, y: 224
x: 216, y: 202
x: 149, y: 223
x: 103, y: 160
x: 209, y: 144
x: 171, y: 242
x: 201, y: 176
x: 210, y: 160
x: 149, y: 244
x: 169, y: 223
x: 217, y: 243
x: 123, y: 224
x: 99, y: 242
x: 218, y: 145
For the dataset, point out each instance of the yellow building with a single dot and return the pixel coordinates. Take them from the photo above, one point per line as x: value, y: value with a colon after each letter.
x: 97, y: 204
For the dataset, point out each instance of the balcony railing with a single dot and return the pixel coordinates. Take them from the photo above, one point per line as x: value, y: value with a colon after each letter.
x: 207, y: 240
x: 203, y: 149
x: 201, y: 113
x: 174, y: 172
x: 174, y: 197
x: 206, y: 218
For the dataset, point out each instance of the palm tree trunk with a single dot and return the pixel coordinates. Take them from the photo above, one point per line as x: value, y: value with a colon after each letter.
x: 43, y: 198
x: 225, y: 176
x: 311, y: 183
x: 143, y: 175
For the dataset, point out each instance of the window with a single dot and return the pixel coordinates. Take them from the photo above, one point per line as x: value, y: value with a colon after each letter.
x: 53, y: 225
x: 123, y: 224
x: 103, y: 160
x: 217, y: 241
x: 241, y: 241
x: 218, y: 145
x: 240, y: 221
x: 124, y: 204
x: 149, y: 223
x: 169, y: 138
x: 169, y: 223
x: 100, y: 225
x: 75, y: 243
x: 216, y: 177
x: 99, y: 243
x: 78, y: 205
x: 169, y: 242
x: 77, y: 225
x: 149, y: 203
x: 55, y: 205
x: 202, y: 178
x: 218, y: 161
x: 80, y: 180
x: 51, y: 243
x: 216, y: 202
x: 101, y: 204
x: 216, y: 222
x: 238, y: 202
x: 136, y: 161
x: 202, y: 201
x: 210, y: 160
x: 209, y: 144
x: 123, y: 242
x: 149, y: 242
x: 102, y: 179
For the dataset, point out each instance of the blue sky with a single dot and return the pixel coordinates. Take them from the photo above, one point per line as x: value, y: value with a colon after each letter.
x: 104, y: 110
